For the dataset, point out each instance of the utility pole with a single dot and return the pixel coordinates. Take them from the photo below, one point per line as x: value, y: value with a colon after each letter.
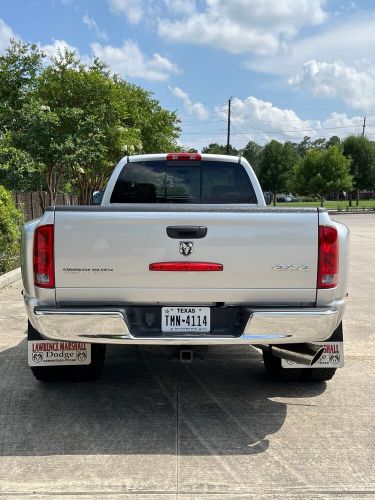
x: 363, y: 126
x: 228, y: 130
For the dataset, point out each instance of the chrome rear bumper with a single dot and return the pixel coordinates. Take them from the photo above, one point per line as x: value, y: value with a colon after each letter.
x: 110, y: 326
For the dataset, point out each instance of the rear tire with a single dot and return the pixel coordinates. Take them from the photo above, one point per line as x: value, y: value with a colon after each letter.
x: 276, y: 372
x: 68, y: 373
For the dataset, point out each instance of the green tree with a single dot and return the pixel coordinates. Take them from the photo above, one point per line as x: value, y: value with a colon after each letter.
x: 78, y: 121
x: 304, y: 146
x: 321, y: 172
x: 18, y: 172
x: 219, y: 149
x: 307, y: 144
x: 361, y: 151
x: 19, y: 69
x: 253, y: 154
x: 334, y: 140
x: 75, y: 131
x: 319, y: 143
x: 10, y: 232
x: 150, y: 128
x: 276, y: 162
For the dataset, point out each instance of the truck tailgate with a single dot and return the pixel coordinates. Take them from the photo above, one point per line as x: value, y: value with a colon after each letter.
x: 104, y: 255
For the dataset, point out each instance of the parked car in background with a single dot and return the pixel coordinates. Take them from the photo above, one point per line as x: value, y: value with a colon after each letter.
x: 286, y: 198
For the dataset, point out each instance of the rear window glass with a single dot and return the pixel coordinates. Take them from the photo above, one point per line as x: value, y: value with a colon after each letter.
x: 183, y: 182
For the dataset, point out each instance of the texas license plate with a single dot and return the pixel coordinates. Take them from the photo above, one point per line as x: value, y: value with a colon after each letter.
x: 185, y: 319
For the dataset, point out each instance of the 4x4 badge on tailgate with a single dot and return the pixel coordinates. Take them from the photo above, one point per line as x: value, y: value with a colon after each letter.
x: 186, y: 247
x: 291, y: 267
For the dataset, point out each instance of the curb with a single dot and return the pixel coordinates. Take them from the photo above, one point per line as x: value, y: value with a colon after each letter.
x: 351, y: 212
x: 9, y: 278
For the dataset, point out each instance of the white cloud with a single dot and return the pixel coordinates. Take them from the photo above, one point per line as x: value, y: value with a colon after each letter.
x: 53, y: 49
x: 6, y: 33
x: 199, y: 143
x: 344, y: 8
x: 185, y: 7
x: 59, y: 46
x: 284, y: 16
x: 355, y: 86
x: 193, y: 108
x: 93, y: 26
x: 261, y: 121
x: 348, y: 125
x: 222, y: 34
x: 245, y: 26
x: 129, y: 61
x: 265, y: 121
x: 342, y: 41
x: 132, y: 9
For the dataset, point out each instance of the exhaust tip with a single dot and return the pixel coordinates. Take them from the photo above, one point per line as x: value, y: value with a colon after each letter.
x: 318, y: 355
x: 305, y: 354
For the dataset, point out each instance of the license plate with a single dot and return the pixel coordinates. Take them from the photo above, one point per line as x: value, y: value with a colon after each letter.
x: 185, y: 319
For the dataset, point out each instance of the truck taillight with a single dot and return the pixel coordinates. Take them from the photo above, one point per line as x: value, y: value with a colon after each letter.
x: 43, y: 257
x: 328, y: 260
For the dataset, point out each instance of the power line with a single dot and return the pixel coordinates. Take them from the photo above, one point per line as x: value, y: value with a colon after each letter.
x: 216, y: 132
x: 300, y: 106
x: 203, y: 122
x: 301, y: 130
x: 207, y: 113
x: 234, y: 124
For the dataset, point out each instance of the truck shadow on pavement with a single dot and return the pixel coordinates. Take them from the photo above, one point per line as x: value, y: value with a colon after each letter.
x: 146, y: 404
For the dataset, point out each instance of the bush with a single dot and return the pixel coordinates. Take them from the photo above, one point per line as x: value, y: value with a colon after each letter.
x: 310, y: 199
x: 10, y: 232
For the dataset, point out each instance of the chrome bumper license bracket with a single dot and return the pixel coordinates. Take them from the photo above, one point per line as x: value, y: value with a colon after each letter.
x: 185, y: 319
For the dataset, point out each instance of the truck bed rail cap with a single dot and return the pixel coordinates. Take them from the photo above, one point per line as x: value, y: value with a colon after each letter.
x: 171, y: 207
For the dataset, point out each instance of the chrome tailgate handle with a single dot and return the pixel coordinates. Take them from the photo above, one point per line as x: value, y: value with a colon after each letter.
x: 191, y: 232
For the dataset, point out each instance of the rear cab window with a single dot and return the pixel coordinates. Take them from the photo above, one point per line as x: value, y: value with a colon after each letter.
x: 162, y: 181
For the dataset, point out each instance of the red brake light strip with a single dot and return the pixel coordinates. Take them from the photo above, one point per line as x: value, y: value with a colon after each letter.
x: 185, y: 266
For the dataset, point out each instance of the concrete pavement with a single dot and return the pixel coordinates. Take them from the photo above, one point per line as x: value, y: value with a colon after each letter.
x: 212, y: 429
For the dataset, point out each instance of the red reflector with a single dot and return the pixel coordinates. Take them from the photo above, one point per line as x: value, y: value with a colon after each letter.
x: 185, y: 266
x: 328, y: 261
x: 183, y: 156
x: 43, y: 257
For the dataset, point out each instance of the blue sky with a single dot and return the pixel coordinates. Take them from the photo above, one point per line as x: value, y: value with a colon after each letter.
x: 292, y: 67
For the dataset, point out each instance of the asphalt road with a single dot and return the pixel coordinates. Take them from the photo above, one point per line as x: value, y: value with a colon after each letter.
x: 212, y: 429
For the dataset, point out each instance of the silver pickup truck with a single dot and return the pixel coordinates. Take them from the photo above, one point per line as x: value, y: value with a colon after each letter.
x: 183, y: 251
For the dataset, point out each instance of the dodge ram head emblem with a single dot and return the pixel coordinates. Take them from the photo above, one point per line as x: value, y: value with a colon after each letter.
x: 37, y: 357
x: 186, y: 248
